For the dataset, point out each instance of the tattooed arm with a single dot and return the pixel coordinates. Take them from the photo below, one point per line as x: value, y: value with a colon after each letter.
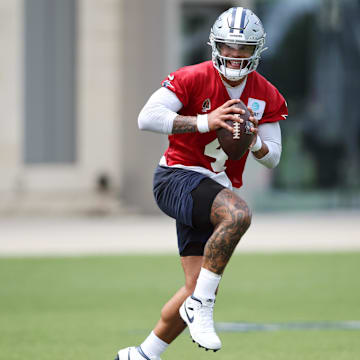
x: 215, y: 119
x: 160, y: 114
x: 184, y: 124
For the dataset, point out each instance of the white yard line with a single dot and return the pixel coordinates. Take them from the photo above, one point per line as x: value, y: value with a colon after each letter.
x: 34, y: 236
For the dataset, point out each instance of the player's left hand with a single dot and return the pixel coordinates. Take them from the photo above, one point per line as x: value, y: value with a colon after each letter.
x: 254, y: 129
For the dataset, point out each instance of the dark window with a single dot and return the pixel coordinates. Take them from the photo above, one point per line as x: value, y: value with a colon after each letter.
x: 50, y: 42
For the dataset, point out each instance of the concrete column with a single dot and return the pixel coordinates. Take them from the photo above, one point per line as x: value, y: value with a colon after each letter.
x: 11, y: 79
x: 100, y: 90
x: 144, y: 60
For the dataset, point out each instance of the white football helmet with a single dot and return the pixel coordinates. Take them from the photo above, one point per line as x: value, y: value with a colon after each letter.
x: 237, y: 26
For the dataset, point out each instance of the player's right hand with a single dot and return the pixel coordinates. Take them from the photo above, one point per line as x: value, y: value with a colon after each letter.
x: 217, y: 118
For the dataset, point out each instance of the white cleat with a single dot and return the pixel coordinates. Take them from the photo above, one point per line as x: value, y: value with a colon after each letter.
x: 198, y: 315
x: 133, y: 353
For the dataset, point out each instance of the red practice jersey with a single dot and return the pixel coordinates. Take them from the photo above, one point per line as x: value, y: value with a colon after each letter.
x: 201, y: 90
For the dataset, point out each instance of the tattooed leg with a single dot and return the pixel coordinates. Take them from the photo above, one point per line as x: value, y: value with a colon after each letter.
x: 231, y: 217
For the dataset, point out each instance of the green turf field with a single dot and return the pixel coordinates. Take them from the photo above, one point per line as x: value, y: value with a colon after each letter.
x: 86, y: 308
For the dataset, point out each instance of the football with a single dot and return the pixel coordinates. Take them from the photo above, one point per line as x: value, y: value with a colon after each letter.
x: 237, y: 143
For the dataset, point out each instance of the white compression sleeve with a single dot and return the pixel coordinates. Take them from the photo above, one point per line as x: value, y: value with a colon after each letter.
x: 270, y: 134
x: 159, y: 112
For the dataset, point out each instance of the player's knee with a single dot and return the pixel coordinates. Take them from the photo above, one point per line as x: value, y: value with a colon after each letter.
x: 230, y: 211
x: 245, y: 217
x: 240, y: 216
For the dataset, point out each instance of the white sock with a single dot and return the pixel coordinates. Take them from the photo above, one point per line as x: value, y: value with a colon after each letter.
x: 206, y: 284
x: 153, y: 346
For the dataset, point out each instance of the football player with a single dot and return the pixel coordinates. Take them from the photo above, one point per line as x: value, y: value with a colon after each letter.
x: 195, y: 182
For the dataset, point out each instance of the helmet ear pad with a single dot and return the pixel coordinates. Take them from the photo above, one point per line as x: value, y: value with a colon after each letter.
x: 237, y: 26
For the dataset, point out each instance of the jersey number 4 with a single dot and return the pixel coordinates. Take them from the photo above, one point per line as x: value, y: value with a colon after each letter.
x: 214, y: 150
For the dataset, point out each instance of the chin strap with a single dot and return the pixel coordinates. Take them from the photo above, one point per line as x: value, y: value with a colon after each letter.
x: 225, y: 73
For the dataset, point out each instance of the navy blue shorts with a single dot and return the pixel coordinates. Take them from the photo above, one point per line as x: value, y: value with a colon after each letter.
x: 187, y: 196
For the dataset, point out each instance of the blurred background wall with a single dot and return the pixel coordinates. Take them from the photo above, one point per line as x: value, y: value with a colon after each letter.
x: 76, y: 73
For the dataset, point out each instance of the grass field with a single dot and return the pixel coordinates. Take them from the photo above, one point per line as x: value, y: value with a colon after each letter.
x: 86, y: 308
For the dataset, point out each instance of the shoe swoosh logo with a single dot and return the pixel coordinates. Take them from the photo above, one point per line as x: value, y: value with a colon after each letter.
x: 191, y: 319
x: 140, y: 350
